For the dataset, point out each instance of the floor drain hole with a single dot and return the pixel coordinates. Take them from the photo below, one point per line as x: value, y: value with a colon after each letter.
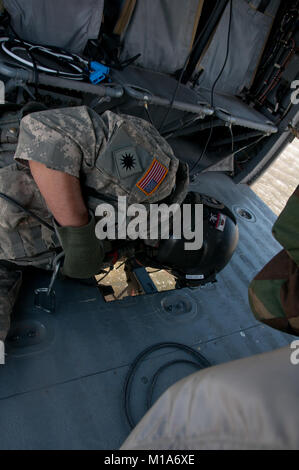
x: 245, y: 214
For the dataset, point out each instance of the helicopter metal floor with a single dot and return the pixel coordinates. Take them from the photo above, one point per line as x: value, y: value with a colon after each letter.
x: 61, y: 388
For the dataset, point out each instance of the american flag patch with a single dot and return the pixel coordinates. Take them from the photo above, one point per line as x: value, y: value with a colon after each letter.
x: 152, y: 178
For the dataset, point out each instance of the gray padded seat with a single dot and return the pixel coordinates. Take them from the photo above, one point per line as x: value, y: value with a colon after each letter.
x: 158, y: 88
x: 249, y: 30
x: 233, y: 110
x: 163, y: 47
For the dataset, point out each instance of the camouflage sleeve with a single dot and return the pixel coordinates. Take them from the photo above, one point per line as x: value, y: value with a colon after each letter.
x: 274, y: 293
x: 286, y: 228
x: 60, y: 139
x: 10, y: 283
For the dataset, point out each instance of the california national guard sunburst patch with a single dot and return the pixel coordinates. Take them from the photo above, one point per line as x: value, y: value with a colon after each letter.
x: 152, y: 179
x: 127, y: 162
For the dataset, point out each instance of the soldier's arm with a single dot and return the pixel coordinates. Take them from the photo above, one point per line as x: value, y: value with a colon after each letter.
x: 62, y: 193
x: 75, y: 228
x: 51, y: 143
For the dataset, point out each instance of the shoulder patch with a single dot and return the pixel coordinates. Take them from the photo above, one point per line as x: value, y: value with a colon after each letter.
x: 127, y: 162
x: 152, y: 179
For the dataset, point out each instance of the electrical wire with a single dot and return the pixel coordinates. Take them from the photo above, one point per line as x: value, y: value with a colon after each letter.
x: 35, y: 70
x: 112, y: 267
x: 227, y: 53
x: 277, y: 76
x: 173, y: 99
x: 272, y: 65
x: 10, y: 47
x: 148, y: 114
x: 214, y: 86
x: 180, y: 127
x: 204, y: 149
x: 182, y: 75
x: 250, y: 145
x: 278, y: 39
x: 105, y: 275
x: 124, y: 262
x: 232, y: 136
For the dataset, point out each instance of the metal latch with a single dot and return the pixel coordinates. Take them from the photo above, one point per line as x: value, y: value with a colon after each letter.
x: 45, y: 297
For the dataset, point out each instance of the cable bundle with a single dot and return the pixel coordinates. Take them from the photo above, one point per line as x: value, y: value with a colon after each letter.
x: 46, y: 59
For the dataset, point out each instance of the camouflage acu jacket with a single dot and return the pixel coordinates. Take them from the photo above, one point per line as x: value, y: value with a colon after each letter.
x: 274, y: 293
x: 112, y: 155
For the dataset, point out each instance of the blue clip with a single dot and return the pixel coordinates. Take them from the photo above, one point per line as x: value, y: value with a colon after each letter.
x: 99, y: 72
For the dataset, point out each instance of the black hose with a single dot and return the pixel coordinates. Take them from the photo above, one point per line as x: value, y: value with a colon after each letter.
x: 43, y: 79
x: 204, y: 37
x: 202, y: 363
x: 227, y: 52
x: 215, y: 83
x: 100, y: 90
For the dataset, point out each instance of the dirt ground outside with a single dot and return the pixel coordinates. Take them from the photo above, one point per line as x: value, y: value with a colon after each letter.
x: 280, y: 180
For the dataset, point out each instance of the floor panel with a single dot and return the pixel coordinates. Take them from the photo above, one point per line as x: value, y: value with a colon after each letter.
x: 64, y: 390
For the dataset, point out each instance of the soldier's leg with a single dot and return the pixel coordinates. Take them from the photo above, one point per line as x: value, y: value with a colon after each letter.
x: 10, y: 283
x: 274, y: 293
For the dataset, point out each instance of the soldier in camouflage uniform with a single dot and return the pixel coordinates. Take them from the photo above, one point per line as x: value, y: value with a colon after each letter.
x: 274, y: 293
x: 97, y: 158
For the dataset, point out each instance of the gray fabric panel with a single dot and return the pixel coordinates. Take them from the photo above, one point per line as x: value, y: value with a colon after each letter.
x: 271, y: 9
x: 249, y: 32
x: 68, y: 23
x: 162, y: 32
x: 254, y: 3
x: 227, y: 164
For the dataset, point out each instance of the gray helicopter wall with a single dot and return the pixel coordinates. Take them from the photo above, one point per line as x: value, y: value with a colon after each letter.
x: 68, y: 23
x: 249, y: 31
x: 161, y: 31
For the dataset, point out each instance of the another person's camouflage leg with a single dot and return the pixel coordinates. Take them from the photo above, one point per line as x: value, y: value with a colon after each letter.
x: 10, y: 283
x: 274, y: 293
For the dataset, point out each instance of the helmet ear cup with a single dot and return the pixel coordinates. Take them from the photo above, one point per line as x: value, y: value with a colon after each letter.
x: 220, y: 240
